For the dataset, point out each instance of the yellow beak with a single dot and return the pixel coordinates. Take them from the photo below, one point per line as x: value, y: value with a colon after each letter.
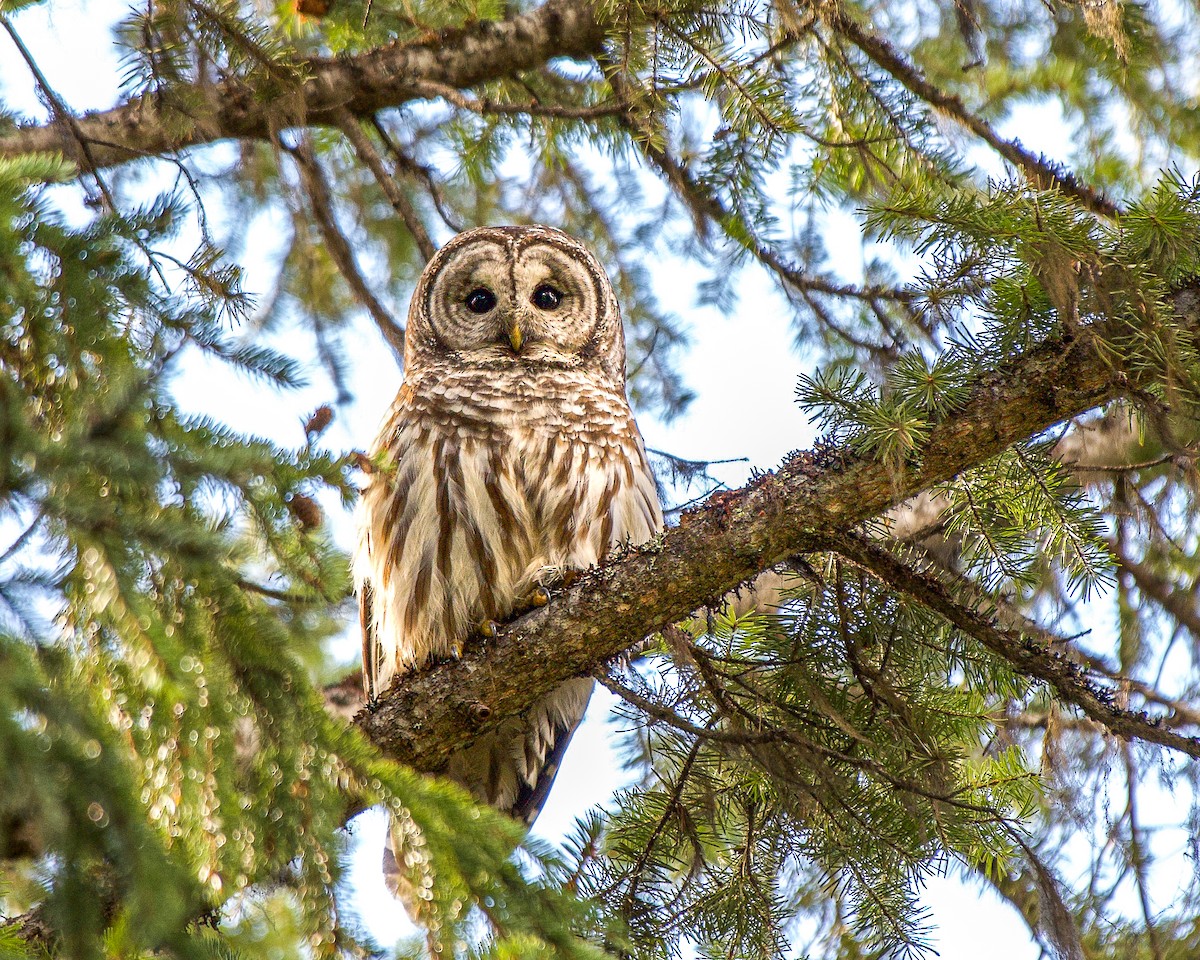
x: 515, y: 338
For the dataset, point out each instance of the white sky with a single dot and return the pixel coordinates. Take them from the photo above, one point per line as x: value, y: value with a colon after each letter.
x: 743, y: 362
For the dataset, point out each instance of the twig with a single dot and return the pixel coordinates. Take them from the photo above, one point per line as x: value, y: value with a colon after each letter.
x: 1037, y: 169
x: 1015, y: 620
x: 1179, y: 604
x: 422, y: 173
x: 1122, y: 468
x: 485, y: 106
x: 705, y: 207
x: 23, y: 537
x: 1137, y: 854
x: 396, y: 197
x: 61, y: 113
x: 321, y: 203
x: 286, y: 596
x: 1032, y: 657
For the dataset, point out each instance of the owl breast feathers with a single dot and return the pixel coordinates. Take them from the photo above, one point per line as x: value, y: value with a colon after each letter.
x: 509, y: 452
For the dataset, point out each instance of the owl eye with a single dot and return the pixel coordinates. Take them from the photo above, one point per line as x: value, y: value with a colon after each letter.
x: 546, y: 297
x: 480, y: 300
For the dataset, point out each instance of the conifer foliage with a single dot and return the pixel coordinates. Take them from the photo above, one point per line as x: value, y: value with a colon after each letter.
x: 975, y: 644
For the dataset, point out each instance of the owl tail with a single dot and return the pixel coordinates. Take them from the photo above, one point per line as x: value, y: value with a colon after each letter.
x: 512, y: 768
x: 532, y: 793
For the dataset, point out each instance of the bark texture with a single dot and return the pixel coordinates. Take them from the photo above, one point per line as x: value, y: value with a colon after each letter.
x: 324, y: 91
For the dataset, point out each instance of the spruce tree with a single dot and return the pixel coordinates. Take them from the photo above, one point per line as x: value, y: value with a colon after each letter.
x: 980, y: 647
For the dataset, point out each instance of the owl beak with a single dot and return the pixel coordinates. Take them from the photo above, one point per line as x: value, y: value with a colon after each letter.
x: 514, y: 337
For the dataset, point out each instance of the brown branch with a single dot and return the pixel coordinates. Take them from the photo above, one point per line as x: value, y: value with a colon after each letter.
x: 34, y: 929
x: 1012, y: 619
x: 1131, y: 467
x: 1043, y: 174
x: 809, y: 504
x: 1182, y: 713
x: 748, y: 732
x: 316, y: 187
x: 705, y: 208
x: 61, y: 115
x: 1138, y: 857
x: 424, y: 174
x: 1180, y: 604
x: 362, y: 84
x: 387, y: 183
x: 1034, y: 891
x: 487, y: 107
x: 1032, y: 657
x: 639, y: 865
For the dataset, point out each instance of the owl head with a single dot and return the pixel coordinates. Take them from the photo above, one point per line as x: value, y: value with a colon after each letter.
x: 512, y: 297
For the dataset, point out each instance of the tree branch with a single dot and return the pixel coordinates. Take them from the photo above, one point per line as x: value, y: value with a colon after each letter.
x: 361, y: 84
x: 1179, y: 603
x: 60, y: 115
x: 705, y: 207
x: 1062, y: 673
x: 34, y: 929
x: 396, y: 197
x: 1041, y: 172
x: 316, y: 187
x: 1015, y: 622
x: 810, y: 503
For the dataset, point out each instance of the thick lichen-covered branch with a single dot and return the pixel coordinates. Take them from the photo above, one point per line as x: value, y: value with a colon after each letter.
x: 809, y: 504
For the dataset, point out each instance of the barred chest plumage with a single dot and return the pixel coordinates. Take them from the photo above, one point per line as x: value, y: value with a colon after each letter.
x: 483, y: 484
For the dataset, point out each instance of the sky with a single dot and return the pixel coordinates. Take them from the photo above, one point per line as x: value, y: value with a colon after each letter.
x: 746, y: 409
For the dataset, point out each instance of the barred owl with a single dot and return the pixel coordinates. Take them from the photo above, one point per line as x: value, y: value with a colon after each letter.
x: 510, y: 452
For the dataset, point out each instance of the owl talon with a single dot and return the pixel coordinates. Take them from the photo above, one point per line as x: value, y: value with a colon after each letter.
x: 539, y: 597
x: 557, y: 575
x: 488, y: 629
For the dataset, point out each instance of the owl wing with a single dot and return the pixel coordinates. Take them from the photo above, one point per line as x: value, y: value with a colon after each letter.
x: 369, y: 646
x: 383, y: 509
